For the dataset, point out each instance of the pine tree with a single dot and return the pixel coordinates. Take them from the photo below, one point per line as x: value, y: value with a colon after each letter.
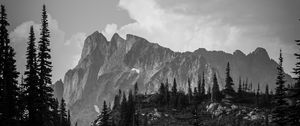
x: 31, y: 80
x: 199, y: 86
x: 124, y: 111
x: 190, y: 93
x: 105, y: 115
x: 117, y: 100
x: 136, y: 89
x: 103, y: 118
x: 267, y: 97
x: 257, y: 94
x: 294, y: 110
x: 215, y: 95
x: 9, y: 96
x: 203, y: 84
x: 68, y: 119
x: 44, y: 66
x: 62, y: 113
x: 55, y: 114
x: 167, y: 97
x: 279, y: 115
x: 131, y: 109
x: 209, y: 92
x: 174, y: 93
x: 240, y: 86
x: 174, y: 88
x: 228, y: 80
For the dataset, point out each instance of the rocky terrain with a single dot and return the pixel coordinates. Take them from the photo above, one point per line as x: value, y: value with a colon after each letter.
x: 107, y: 66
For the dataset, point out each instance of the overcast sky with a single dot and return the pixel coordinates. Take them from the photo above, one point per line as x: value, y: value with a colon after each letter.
x: 182, y: 25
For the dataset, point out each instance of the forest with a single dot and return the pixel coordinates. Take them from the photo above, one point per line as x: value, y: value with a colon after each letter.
x: 30, y: 101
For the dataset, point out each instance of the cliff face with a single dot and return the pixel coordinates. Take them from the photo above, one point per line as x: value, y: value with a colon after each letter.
x: 107, y: 66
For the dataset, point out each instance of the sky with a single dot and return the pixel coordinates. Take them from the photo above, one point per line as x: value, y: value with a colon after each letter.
x: 181, y: 25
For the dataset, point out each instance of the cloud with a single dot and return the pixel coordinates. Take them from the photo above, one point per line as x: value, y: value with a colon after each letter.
x: 77, y: 39
x: 76, y: 42
x: 109, y: 30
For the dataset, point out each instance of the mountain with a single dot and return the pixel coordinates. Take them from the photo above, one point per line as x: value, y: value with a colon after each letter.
x: 107, y: 66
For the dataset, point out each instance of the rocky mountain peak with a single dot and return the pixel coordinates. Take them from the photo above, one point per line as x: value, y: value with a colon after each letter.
x: 238, y: 53
x: 262, y: 52
x: 107, y: 66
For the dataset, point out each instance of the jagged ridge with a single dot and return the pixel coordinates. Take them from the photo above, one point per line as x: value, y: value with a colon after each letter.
x: 106, y: 66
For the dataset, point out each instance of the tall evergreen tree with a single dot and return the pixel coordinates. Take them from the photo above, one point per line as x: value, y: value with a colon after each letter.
x: 31, y: 79
x: 136, y: 89
x: 45, y: 67
x: 294, y: 116
x: 62, y: 113
x: 55, y: 115
x: 131, y: 108
x: 190, y: 93
x: 203, y: 84
x: 228, y: 80
x: 240, y: 86
x: 124, y: 111
x: 279, y: 115
x: 257, y: 94
x: 174, y: 88
x: 117, y: 100
x: 174, y: 93
x: 215, y: 95
x: 9, y: 96
x: 199, y: 86
x: 105, y: 115
x: 69, y: 119
x: 103, y: 118
x: 168, y: 96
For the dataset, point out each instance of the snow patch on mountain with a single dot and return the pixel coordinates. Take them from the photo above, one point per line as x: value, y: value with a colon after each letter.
x: 135, y: 70
x: 97, y: 109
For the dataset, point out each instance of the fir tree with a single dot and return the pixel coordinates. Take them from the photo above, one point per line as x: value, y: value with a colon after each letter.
x: 55, y: 116
x: 257, y: 94
x: 62, y: 113
x: 44, y: 66
x: 228, y: 80
x: 31, y: 79
x: 199, y: 86
x: 215, y: 95
x: 294, y: 110
x: 190, y: 93
x: 174, y: 93
x: 174, y: 88
x: 117, y: 100
x: 103, y: 118
x: 167, y: 97
x: 105, y: 115
x: 131, y: 109
x: 136, y: 89
x: 240, y: 86
x: 279, y: 115
x: 124, y: 111
x: 209, y: 92
x: 203, y: 84
x: 68, y: 119
x: 9, y: 96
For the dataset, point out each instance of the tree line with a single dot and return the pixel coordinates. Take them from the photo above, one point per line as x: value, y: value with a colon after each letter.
x: 29, y: 102
x: 283, y: 105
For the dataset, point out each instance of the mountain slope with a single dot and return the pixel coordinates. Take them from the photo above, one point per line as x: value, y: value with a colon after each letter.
x: 107, y: 66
